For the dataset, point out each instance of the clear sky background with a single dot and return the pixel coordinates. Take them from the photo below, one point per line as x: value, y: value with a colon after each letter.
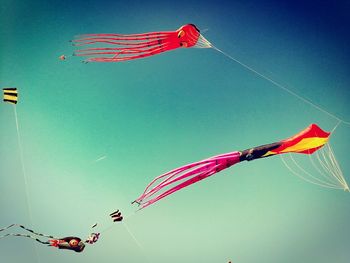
x: 151, y: 115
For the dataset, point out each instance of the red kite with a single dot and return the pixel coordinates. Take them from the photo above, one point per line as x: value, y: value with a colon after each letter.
x: 306, y: 142
x: 133, y: 46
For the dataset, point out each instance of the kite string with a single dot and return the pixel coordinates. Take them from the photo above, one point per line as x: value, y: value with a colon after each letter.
x: 281, y: 86
x: 136, y: 241
x: 133, y: 237
x: 24, y: 175
x: 310, y: 175
x: 304, y: 178
x: 336, y: 170
x: 336, y: 126
x: 130, y: 233
x: 22, y: 164
x: 319, y: 170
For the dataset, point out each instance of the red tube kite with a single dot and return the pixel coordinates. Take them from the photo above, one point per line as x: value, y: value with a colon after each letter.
x: 307, y: 142
x: 127, y: 47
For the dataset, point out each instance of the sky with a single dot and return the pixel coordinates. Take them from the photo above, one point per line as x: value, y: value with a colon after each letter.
x: 92, y: 136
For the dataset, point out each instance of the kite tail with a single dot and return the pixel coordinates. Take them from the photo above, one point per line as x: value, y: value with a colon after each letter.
x: 122, y: 37
x: 188, y: 182
x: 123, y: 54
x: 2, y: 229
x: 28, y: 236
x: 124, y: 47
x: 27, y: 229
x: 35, y: 233
x: 192, y: 172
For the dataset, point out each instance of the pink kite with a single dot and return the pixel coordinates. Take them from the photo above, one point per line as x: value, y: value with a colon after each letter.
x: 119, y: 47
x: 307, y: 141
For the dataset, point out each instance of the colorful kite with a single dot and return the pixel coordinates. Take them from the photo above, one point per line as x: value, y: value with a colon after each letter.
x: 307, y: 142
x: 71, y: 243
x: 133, y: 46
x: 62, y: 57
x: 10, y: 95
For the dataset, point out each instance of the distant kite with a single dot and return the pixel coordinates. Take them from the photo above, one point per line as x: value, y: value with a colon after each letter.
x: 127, y: 47
x: 307, y: 142
x: 116, y: 216
x: 69, y: 243
x: 10, y: 95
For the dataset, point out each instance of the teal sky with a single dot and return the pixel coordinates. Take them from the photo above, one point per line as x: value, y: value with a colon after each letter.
x: 151, y: 115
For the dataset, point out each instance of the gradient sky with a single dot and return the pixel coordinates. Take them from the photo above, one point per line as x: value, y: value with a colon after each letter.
x: 151, y: 115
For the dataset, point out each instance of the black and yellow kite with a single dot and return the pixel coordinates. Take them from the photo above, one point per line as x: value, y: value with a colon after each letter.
x: 10, y: 95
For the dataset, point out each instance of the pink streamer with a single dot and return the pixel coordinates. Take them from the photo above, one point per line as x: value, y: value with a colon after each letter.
x: 195, y: 172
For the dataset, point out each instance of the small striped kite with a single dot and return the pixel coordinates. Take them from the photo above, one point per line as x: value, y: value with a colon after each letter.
x: 10, y: 95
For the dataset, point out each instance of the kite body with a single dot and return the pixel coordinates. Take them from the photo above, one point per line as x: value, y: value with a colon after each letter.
x: 67, y: 243
x: 70, y: 243
x: 306, y: 142
x: 10, y: 95
x: 120, y: 47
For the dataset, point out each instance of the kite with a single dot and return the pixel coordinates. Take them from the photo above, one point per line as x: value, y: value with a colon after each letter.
x: 116, y: 216
x: 92, y: 238
x: 133, y: 46
x: 69, y: 243
x: 307, y: 141
x: 10, y: 95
